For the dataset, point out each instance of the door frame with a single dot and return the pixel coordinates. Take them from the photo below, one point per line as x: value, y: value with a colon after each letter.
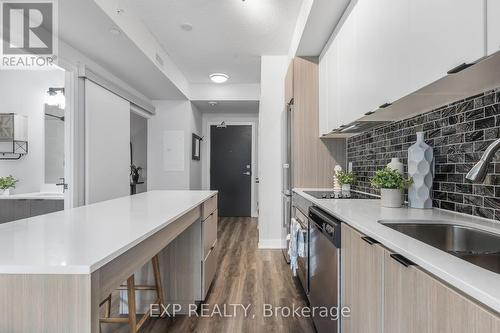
x: 253, y: 185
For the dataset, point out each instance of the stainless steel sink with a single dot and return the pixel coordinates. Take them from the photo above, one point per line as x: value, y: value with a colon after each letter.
x: 476, y: 246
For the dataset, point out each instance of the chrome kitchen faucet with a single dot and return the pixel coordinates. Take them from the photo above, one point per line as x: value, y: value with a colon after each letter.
x: 479, y: 171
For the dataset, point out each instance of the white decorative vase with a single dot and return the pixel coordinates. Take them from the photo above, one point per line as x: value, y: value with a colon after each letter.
x: 5, y: 192
x: 346, y: 190
x: 391, y: 197
x: 421, y: 170
x: 396, y: 165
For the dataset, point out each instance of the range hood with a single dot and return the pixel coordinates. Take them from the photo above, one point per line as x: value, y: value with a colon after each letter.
x: 356, y: 127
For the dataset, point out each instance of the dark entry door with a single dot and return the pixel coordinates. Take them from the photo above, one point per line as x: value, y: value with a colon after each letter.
x: 230, y: 168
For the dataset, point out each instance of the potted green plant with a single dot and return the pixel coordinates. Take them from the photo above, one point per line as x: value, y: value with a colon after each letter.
x: 346, y: 179
x: 6, y: 183
x: 135, y: 173
x: 391, y: 184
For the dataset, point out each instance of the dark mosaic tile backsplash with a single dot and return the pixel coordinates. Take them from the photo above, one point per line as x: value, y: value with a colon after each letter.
x: 459, y: 133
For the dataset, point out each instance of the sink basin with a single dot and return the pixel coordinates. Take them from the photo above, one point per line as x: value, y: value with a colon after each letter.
x: 476, y: 246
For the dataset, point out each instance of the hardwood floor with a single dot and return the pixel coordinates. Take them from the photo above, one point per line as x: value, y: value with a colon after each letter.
x: 247, y: 276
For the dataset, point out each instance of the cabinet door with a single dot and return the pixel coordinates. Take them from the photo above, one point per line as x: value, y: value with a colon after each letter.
x: 415, y: 302
x: 443, y: 35
x: 348, y: 74
x: 493, y: 26
x: 362, y: 273
x: 22, y: 209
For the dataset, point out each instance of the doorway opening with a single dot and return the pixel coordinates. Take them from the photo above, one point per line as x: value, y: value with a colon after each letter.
x: 231, y: 167
x: 35, y: 121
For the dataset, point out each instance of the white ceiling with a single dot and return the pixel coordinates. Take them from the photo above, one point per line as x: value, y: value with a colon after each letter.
x: 323, y: 18
x: 228, y: 35
x: 228, y: 106
x: 84, y: 26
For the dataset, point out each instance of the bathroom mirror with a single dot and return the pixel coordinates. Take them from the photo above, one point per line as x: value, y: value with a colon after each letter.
x: 54, y: 144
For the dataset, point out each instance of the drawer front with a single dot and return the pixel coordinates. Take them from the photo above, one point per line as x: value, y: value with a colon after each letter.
x: 208, y: 207
x: 209, y: 270
x: 209, y: 232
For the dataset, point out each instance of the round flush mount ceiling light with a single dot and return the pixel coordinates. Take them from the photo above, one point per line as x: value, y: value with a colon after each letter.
x: 219, y: 77
x: 186, y: 26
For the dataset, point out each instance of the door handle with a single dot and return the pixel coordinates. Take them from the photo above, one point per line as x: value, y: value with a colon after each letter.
x: 402, y: 260
x: 248, y: 173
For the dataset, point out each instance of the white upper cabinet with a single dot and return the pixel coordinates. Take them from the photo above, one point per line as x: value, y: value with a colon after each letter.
x: 382, y: 40
x: 493, y: 26
x: 444, y: 34
x: 387, y: 49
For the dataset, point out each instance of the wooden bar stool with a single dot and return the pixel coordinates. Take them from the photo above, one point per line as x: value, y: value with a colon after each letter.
x: 131, y: 287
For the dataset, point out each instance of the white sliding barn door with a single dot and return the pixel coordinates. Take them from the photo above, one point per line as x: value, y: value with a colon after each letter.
x: 107, y: 144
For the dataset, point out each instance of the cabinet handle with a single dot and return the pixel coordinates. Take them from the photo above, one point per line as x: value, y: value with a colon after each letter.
x: 459, y: 68
x: 369, y: 240
x: 385, y: 105
x: 402, y: 260
x: 369, y: 113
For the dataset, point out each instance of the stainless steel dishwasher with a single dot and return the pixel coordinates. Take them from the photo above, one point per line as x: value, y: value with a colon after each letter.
x: 324, y: 266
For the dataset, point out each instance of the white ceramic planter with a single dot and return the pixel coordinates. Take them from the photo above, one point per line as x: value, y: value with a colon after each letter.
x: 5, y: 192
x: 391, y: 197
x: 346, y: 190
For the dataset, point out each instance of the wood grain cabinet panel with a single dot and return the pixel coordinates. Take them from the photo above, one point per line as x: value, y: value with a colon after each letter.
x: 209, y: 232
x: 209, y: 207
x: 415, y: 302
x: 362, y: 287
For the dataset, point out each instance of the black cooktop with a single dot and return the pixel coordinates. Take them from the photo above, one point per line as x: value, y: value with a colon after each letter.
x: 332, y: 195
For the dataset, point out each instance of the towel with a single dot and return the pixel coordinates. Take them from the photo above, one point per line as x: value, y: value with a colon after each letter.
x: 292, y: 245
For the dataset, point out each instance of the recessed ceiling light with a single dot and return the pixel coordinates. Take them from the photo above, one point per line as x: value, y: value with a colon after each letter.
x: 186, y: 26
x: 219, y: 77
x: 115, y: 31
x: 212, y: 104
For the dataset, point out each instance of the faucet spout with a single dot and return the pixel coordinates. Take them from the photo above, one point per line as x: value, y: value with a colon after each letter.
x: 479, y: 171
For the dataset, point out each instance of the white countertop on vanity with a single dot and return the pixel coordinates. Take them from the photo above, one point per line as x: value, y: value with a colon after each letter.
x: 83, y: 239
x: 364, y: 214
x: 34, y: 196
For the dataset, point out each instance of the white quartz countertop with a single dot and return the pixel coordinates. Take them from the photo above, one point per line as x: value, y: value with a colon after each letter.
x: 34, y: 196
x: 364, y: 214
x: 83, y: 239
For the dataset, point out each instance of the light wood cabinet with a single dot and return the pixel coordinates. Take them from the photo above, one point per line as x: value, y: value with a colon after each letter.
x: 362, y: 282
x: 415, y: 302
x: 387, y: 293
x: 312, y: 160
x: 493, y: 26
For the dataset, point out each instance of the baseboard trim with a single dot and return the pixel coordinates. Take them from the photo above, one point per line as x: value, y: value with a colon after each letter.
x: 270, y: 244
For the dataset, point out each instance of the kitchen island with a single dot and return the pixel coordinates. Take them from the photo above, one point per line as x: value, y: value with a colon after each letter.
x: 55, y: 269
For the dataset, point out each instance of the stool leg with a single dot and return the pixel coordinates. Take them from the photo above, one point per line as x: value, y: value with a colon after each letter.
x: 159, y: 287
x: 132, y: 314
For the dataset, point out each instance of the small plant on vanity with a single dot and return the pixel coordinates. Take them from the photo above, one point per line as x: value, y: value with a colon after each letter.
x: 391, y: 184
x: 135, y: 173
x: 6, y: 183
x: 346, y: 179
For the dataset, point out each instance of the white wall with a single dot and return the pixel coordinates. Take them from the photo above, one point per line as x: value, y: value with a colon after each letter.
x: 229, y: 118
x: 24, y: 92
x: 173, y: 115
x: 272, y: 106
